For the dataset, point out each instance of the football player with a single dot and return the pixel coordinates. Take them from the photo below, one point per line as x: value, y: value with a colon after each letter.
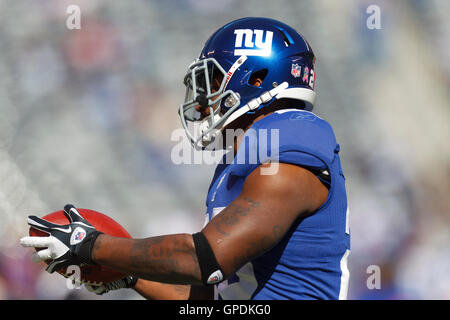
x: 277, y: 224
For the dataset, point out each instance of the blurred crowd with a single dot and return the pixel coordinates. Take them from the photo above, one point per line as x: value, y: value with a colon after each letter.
x: 87, y: 117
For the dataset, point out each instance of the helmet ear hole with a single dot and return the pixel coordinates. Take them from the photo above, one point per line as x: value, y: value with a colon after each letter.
x: 258, y: 76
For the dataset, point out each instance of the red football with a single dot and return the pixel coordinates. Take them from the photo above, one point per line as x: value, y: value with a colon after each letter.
x: 95, y: 274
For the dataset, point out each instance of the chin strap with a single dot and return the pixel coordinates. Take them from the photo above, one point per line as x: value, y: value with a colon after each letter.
x: 279, y: 92
x: 255, y: 103
x: 251, y: 105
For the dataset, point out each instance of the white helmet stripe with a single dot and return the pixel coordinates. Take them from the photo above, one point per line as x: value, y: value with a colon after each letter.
x: 233, y: 68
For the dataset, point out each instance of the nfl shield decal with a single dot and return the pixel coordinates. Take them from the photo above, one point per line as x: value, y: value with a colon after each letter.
x: 296, y: 70
x: 77, y: 235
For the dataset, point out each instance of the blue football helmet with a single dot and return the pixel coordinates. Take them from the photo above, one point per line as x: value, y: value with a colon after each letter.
x: 219, y: 86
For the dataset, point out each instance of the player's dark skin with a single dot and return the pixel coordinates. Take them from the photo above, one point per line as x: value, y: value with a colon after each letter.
x: 252, y: 224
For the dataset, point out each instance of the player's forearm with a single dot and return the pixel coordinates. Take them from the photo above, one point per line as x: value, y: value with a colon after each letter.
x: 169, y: 259
x: 153, y: 290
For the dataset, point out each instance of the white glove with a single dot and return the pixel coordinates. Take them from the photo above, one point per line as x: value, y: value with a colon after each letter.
x: 66, y: 245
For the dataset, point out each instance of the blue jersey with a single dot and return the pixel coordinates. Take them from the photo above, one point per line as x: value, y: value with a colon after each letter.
x: 310, y: 262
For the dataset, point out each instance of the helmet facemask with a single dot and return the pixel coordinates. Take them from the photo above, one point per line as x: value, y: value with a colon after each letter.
x: 205, y: 84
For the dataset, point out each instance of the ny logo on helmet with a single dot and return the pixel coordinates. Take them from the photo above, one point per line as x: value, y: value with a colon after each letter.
x: 263, y: 47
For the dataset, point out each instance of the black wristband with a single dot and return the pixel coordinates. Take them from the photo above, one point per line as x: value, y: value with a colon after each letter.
x: 84, y: 249
x: 131, y: 281
x: 210, y: 270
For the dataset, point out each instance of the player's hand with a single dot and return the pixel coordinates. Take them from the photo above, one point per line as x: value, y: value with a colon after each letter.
x: 66, y: 245
x: 127, y: 282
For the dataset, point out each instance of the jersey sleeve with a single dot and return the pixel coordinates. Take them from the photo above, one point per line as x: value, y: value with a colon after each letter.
x: 297, y: 137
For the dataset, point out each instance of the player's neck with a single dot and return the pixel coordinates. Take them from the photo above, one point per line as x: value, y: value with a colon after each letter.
x: 238, y: 140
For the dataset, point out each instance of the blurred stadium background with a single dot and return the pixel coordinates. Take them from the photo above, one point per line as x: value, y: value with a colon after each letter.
x: 86, y: 117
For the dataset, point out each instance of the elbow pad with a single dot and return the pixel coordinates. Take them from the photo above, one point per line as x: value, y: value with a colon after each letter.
x: 209, y: 268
